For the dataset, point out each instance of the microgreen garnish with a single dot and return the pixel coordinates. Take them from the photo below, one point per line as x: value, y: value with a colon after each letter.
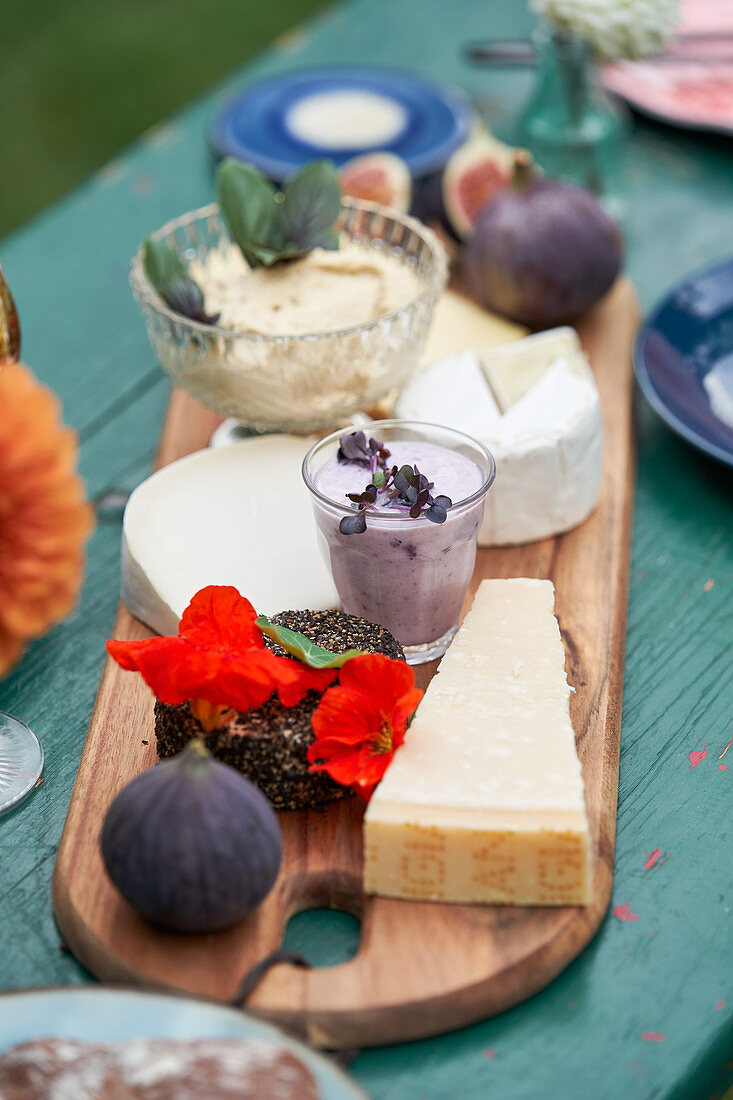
x: 270, y: 226
x: 354, y: 447
x: 413, y: 488
x: 353, y: 525
x: 167, y: 273
x: 367, y: 497
x: 303, y: 648
x: 405, y: 489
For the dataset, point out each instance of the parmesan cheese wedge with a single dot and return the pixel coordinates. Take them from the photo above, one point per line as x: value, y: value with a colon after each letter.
x: 459, y: 323
x: 484, y: 801
x: 235, y: 515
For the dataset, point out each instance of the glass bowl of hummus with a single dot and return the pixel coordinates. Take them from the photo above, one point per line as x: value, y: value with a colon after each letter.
x: 305, y: 344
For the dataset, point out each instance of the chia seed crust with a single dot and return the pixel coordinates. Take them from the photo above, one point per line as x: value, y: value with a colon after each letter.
x: 269, y: 744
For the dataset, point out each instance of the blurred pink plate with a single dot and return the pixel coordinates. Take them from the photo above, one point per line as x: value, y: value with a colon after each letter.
x: 695, y: 94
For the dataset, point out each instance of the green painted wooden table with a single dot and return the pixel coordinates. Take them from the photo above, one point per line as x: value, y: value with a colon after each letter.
x: 642, y: 1013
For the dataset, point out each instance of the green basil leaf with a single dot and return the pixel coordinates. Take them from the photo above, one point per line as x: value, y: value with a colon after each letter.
x: 312, y: 205
x: 251, y: 210
x: 297, y: 645
x: 268, y: 256
x: 161, y: 264
x: 167, y: 273
x: 184, y: 295
x: 271, y: 226
x: 329, y: 240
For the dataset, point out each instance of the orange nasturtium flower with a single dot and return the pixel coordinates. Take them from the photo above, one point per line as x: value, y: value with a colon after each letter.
x: 44, y: 518
x: 361, y: 721
x: 218, y: 660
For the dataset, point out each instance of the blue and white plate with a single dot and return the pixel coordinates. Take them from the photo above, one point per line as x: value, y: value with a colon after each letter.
x: 100, y: 1014
x: 683, y: 360
x: 285, y: 120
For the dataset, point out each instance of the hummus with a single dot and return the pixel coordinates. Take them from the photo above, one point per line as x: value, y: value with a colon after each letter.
x: 322, y: 292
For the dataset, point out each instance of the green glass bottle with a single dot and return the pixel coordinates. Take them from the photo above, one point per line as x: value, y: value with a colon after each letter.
x: 574, y: 130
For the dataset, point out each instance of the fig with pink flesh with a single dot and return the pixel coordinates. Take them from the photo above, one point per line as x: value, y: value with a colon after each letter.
x: 378, y: 177
x: 474, y: 175
x: 543, y: 251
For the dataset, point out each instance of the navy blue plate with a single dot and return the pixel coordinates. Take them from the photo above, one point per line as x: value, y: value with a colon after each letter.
x: 431, y: 120
x: 685, y: 338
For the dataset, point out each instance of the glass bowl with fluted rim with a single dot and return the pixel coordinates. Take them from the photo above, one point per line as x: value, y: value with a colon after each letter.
x: 304, y: 382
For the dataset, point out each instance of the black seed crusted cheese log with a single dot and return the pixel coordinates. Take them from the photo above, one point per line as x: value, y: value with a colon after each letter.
x: 269, y: 745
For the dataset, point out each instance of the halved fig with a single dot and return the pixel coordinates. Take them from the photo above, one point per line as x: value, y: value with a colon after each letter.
x: 475, y: 173
x: 379, y: 177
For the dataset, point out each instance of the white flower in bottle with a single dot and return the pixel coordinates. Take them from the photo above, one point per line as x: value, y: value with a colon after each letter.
x: 616, y: 29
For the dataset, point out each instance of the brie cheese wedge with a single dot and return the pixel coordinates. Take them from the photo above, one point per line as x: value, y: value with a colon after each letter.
x: 235, y: 515
x: 540, y: 416
x: 464, y: 399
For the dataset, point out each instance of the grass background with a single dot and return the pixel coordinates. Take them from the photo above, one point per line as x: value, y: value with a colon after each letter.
x: 79, y: 79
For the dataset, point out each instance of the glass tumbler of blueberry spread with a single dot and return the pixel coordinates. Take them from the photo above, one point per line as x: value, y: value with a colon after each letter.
x: 398, y: 508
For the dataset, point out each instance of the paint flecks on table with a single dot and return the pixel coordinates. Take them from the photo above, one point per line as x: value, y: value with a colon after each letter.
x: 722, y: 768
x: 159, y: 137
x: 652, y: 858
x: 142, y: 186
x: 112, y: 172
x: 109, y: 505
x: 709, y: 584
x: 292, y: 41
x: 719, y: 1005
x: 697, y: 756
x: 490, y: 1053
x: 624, y: 912
x: 654, y: 1036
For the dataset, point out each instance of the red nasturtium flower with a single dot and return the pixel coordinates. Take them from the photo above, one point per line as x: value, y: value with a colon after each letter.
x: 218, y: 660
x: 361, y: 721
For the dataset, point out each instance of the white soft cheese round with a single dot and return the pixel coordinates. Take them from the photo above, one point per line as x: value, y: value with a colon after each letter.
x: 237, y: 515
x: 543, y: 427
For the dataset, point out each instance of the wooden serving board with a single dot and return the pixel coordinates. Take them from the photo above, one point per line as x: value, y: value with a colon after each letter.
x: 421, y: 968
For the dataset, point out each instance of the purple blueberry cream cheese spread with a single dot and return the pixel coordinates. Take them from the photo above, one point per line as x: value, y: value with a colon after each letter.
x: 402, y: 539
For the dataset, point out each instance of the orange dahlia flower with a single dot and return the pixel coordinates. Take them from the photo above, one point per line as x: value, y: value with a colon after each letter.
x: 44, y: 518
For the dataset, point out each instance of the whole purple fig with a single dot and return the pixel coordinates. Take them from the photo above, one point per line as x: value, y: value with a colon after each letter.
x: 543, y: 251
x: 191, y: 844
